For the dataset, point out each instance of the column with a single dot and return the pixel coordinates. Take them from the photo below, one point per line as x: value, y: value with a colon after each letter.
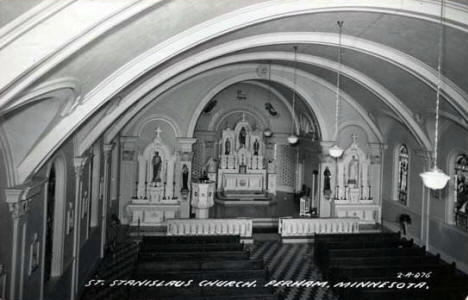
x: 128, y: 174
x: 18, y: 209
x: 325, y: 198
x: 79, y: 163
x: 105, y: 200
x: 19, y: 199
x: 184, y: 157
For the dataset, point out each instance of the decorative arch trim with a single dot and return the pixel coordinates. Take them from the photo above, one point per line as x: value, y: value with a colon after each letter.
x: 456, y: 15
x: 111, y: 86
x: 154, y: 117
x: 217, y: 120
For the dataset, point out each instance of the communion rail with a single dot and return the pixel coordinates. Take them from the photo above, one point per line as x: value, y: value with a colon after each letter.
x: 184, y: 227
x: 306, y: 227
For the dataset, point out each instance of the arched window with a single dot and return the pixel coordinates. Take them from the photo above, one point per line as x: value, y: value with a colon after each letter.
x: 54, y: 219
x: 402, y: 175
x: 461, y: 192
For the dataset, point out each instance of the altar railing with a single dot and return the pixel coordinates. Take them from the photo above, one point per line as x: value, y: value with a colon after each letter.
x: 241, y: 227
x: 292, y: 227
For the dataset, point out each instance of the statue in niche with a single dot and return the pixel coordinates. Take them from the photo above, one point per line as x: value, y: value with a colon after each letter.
x: 242, y: 136
x: 227, y: 147
x: 353, y: 171
x: 326, y: 183
x: 256, y: 147
x: 157, y: 161
x: 185, y: 173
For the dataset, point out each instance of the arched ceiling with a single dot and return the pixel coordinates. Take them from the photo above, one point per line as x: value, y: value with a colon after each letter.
x: 140, y: 45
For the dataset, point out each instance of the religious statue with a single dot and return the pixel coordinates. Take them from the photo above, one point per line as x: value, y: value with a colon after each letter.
x: 256, y: 147
x: 353, y: 171
x: 227, y: 147
x: 242, y: 136
x: 185, y: 173
x: 157, y: 161
x: 326, y: 183
x: 210, y: 165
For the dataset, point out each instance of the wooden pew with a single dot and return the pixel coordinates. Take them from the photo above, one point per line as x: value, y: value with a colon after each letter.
x: 191, y: 247
x: 160, y: 266
x: 225, y: 239
x: 376, y: 272
x: 194, y: 255
x: 245, y: 274
x: 383, y: 261
x: 322, y: 248
x: 196, y: 291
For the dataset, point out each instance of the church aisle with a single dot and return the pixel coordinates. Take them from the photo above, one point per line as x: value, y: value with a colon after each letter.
x: 292, y: 262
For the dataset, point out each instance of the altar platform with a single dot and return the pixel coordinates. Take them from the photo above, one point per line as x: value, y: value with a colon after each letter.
x: 260, y: 205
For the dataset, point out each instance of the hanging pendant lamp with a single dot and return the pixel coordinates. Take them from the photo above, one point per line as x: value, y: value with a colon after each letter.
x: 267, y: 132
x: 336, y: 151
x: 435, y: 178
x: 293, y: 138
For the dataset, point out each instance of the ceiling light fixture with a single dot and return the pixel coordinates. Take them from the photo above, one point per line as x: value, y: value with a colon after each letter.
x: 336, y: 151
x: 293, y: 138
x: 267, y: 132
x: 435, y: 178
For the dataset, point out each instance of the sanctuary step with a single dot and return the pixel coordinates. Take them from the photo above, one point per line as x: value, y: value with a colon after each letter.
x: 196, y: 260
x: 243, y: 195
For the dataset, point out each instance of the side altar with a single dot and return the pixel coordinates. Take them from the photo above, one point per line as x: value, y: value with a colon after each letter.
x: 241, y: 162
x: 155, y: 200
x: 353, y: 193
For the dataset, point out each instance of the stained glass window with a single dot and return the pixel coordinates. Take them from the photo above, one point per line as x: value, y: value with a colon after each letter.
x: 461, y: 192
x: 403, y: 163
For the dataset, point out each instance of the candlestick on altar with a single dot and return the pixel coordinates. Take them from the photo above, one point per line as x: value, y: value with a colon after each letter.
x: 136, y: 190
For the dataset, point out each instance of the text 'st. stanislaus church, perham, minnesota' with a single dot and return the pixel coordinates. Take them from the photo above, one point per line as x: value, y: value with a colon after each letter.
x: 236, y: 149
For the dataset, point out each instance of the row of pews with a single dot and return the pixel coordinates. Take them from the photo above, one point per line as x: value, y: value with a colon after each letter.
x: 196, y: 264
x: 385, y: 266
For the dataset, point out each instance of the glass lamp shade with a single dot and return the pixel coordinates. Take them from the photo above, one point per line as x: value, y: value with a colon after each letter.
x: 335, y: 151
x: 267, y: 132
x: 435, y: 179
x: 292, y: 139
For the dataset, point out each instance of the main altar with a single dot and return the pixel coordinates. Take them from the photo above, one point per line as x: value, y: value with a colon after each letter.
x: 241, y: 168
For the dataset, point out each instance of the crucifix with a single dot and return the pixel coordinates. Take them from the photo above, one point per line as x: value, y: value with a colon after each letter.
x: 354, y: 137
x: 158, y: 132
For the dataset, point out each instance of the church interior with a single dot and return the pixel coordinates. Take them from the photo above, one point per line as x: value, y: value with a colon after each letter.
x: 241, y: 149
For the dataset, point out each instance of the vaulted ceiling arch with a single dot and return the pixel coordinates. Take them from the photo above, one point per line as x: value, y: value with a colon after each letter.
x: 131, y: 72
x: 456, y: 16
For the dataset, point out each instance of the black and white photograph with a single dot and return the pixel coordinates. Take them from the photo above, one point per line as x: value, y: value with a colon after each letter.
x: 233, y: 149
